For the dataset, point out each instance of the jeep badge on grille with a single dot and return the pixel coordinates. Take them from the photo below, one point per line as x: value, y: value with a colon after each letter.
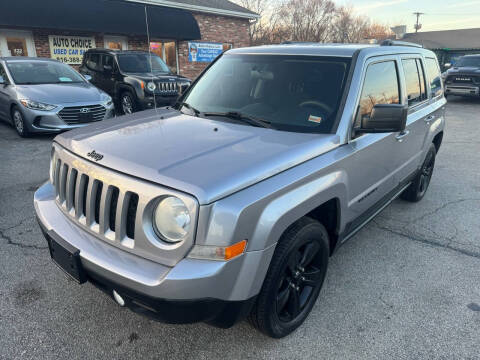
x: 95, y: 156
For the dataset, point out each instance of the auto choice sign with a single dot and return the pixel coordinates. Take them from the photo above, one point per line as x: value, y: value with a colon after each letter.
x: 70, y: 49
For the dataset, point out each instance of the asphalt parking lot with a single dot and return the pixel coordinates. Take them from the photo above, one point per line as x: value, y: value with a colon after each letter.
x: 406, y: 287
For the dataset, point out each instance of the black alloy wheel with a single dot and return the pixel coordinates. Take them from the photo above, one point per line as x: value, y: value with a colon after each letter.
x: 418, y: 188
x: 294, y: 279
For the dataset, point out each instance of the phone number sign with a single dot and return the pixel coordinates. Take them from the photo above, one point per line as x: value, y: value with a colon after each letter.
x: 70, y: 49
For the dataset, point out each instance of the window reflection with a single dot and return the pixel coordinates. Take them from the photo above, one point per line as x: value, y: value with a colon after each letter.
x: 380, y: 87
x: 434, y: 77
x: 414, y: 80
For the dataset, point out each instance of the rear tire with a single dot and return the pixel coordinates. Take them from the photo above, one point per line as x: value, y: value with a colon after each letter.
x: 418, y: 188
x: 294, y: 279
x: 18, y: 122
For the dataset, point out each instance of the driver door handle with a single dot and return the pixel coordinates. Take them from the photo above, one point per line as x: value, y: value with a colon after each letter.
x: 402, y: 135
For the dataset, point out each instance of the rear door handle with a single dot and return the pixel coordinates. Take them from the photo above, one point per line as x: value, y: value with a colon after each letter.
x: 402, y: 135
x: 430, y: 118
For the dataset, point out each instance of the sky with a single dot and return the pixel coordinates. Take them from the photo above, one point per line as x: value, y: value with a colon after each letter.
x: 439, y: 14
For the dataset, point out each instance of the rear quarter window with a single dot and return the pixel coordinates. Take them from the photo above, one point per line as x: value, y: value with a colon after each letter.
x: 434, y: 77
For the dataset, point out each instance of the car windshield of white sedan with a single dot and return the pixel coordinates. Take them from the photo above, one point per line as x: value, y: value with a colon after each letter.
x: 42, y: 72
x: 142, y: 63
x: 291, y: 93
x: 473, y: 61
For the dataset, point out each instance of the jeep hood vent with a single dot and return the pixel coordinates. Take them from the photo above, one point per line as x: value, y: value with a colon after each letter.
x: 206, y: 158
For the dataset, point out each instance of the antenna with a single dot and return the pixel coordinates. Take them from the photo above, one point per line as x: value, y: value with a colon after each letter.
x: 150, y: 56
x: 418, y: 26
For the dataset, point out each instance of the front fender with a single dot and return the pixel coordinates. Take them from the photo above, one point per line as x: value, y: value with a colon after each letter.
x: 283, y: 211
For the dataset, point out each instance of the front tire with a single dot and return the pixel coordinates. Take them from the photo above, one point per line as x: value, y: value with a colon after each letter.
x: 418, y: 188
x: 18, y: 122
x: 294, y: 279
x: 128, y: 104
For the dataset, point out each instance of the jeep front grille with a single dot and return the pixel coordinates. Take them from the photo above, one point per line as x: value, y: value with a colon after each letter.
x: 95, y: 204
x: 82, y: 114
x: 116, y: 208
x: 168, y: 88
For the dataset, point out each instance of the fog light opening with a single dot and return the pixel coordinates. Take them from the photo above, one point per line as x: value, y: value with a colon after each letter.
x: 118, y: 298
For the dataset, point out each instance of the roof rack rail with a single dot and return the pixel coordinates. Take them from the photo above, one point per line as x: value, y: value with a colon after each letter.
x: 290, y: 42
x: 389, y: 42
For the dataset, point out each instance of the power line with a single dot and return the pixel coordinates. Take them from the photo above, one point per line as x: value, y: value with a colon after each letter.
x: 418, y: 26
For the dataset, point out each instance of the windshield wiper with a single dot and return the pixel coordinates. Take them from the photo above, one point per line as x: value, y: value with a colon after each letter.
x: 188, y: 106
x: 241, y: 117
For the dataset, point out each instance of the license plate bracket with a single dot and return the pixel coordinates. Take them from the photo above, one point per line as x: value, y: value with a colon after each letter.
x: 85, y: 117
x: 66, y: 257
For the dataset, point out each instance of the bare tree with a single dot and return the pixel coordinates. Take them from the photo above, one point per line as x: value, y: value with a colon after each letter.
x: 306, y: 20
x: 261, y: 29
x: 348, y: 27
x: 309, y: 20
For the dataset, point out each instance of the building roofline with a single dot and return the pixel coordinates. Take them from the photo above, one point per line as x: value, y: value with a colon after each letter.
x: 209, y: 10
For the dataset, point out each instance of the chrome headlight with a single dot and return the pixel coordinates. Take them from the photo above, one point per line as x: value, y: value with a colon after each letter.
x: 35, y: 105
x: 171, y: 219
x: 106, y: 99
x: 151, y: 86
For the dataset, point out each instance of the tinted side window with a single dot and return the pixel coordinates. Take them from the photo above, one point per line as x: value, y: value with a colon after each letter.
x: 380, y: 87
x: 108, y: 60
x: 93, y: 61
x: 3, y: 74
x: 434, y: 77
x: 414, y: 80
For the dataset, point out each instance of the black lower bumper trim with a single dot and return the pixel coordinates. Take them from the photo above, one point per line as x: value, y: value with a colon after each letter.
x: 216, y: 312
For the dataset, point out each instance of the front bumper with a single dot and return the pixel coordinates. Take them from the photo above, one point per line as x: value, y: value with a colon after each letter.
x: 462, y: 90
x: 150, y: 102
x: 50, y: 121
x: 217, y: 292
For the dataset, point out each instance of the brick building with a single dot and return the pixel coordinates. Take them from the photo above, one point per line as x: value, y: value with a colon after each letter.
x: 187, y: 34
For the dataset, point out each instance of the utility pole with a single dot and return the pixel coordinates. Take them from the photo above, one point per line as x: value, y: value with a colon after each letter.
x: 418, y: 26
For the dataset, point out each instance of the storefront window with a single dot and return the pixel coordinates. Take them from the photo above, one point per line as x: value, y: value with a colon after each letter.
x: 167, y: 50
x: 17, y: 46
x: 115, y: 42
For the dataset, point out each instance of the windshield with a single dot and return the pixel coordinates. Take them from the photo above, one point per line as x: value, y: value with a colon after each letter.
x: 42, y: 72
x: 140, y: 63
x: 293, y: 93
x: 473, y: 61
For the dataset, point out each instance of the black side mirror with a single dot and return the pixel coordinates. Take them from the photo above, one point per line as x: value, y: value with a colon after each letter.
x: 385, y: 118
x: 2, y: 80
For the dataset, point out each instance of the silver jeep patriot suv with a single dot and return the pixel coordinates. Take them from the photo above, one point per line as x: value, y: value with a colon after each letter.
x: 229, y: 204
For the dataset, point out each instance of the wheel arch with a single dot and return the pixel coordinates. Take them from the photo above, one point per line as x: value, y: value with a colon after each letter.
x: 321, y: 199
x: 437, y: 140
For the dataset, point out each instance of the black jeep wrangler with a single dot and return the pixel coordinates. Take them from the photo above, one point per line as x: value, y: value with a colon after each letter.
x: 136, y: 80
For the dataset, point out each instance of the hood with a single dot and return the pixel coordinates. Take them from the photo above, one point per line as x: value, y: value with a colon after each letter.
x: 464, y: 70
x: 58, y: 94
x: 206, y: 158
x: 161, y: 77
